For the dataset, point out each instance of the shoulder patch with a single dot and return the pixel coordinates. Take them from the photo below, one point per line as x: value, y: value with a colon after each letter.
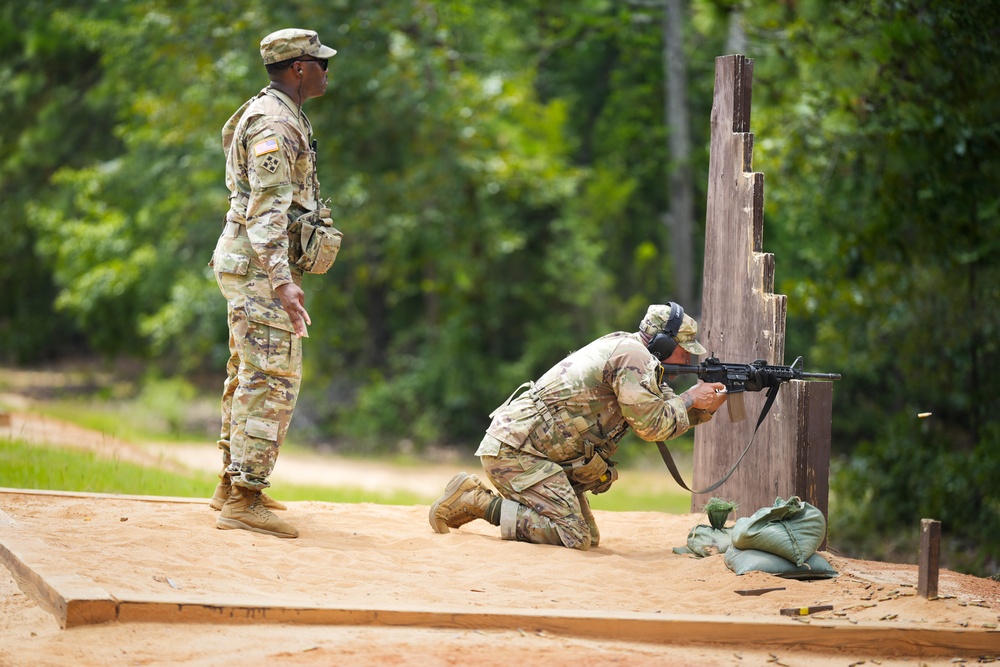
x: 265, y: 147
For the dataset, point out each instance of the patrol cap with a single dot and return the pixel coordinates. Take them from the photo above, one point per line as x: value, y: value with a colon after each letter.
x: 656, y: 320
x: 293, y: 43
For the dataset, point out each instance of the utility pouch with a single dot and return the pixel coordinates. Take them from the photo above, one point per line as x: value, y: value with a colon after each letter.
x: 609, y: 477
x: 596, y: 475
x: 585, y: 472
x: 320, y: 244
x: 227, y: 262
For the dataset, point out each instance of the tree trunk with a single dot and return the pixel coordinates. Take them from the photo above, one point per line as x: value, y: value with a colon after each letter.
x: 736, y: 39
x: 679, y: 218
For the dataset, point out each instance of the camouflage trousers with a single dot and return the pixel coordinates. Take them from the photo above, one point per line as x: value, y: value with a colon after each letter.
x: 546, y: 508
x: 264, y: 371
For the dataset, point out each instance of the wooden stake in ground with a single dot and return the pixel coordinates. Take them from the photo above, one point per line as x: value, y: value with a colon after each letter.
x: 930, y: 551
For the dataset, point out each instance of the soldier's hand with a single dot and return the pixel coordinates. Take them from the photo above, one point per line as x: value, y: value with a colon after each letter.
x: 293, y: 299
x: 707, y: 395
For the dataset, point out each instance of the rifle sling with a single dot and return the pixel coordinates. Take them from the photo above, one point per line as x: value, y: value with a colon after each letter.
x: 772, y: 392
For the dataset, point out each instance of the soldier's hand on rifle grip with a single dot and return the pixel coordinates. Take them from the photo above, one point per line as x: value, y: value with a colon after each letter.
x: 707, y: 395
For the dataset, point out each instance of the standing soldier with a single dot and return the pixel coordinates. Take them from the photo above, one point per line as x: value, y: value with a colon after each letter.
x: 259, y: 260
x: 552, y: 443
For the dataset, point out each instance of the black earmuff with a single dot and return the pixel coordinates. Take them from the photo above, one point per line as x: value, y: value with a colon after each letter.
x: 664, y: 343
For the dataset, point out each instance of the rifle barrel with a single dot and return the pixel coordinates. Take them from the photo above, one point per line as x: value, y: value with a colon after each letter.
x: 821, y: 376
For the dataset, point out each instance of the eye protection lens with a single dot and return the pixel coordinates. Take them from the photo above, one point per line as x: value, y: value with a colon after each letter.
x: 322, y: 62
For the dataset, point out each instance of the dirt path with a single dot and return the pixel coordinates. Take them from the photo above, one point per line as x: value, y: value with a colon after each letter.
x: 300, y: 468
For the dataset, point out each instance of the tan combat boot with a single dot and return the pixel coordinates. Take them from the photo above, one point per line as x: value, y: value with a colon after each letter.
x: 222, y: 494
x: 465, y: 499
x: 244, y: 510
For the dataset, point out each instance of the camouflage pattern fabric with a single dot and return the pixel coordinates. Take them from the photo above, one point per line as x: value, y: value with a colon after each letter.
x: 293, y: 43
x: 547, y: 511
x: 264, y: 370
x: 578, y: 409
x: 271, y: 178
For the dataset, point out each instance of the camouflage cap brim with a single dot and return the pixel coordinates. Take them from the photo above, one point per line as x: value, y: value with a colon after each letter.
x: 291, y: 43
x: 693, y: 346
x: 324, y: 52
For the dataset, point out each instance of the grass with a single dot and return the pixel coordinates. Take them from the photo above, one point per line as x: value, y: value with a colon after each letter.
x: 640, y: 491
x: 27, y: 466
x: 626, y: 501
x: 163, y: 412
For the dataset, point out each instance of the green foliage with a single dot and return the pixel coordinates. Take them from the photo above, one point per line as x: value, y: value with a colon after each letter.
x: 483, y: 181
x: 897, y: 143
x: 499, y: 172
x: 880, y: 134
x: 883, y: 490
x: 44, y: 72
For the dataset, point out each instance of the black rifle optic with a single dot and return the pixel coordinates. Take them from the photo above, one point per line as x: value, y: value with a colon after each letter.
x: 739, y: 378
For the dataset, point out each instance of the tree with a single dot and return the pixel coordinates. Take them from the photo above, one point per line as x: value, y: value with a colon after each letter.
x: 877, y: 131
x: 680, y: 217
x: 44, y: 72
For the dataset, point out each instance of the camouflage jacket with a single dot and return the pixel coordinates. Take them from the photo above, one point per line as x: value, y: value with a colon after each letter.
x: 271, y: 175
x: 587, y: 402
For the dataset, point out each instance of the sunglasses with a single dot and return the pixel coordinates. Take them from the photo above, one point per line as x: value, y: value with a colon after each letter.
x: 323, y: 62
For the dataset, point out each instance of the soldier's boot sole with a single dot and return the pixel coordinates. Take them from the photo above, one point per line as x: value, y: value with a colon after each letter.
x: 224, y: 523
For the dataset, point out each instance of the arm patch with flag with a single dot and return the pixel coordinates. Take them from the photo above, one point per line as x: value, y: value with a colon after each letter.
x: 265, y: 147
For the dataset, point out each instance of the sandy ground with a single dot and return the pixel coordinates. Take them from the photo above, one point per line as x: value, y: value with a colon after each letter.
x: 367, y: 556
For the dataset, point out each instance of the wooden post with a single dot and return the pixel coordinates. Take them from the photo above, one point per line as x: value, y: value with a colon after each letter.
x: 930, y: 552
x: 744, y: 320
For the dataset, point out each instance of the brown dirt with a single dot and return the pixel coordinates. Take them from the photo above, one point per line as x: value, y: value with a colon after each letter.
x: 372, y: 555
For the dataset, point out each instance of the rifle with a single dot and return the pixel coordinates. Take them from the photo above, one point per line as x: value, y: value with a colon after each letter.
x: 740, y: 378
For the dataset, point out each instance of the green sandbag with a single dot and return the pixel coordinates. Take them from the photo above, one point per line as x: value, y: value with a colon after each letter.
x: 742, y: 561
x: 706, y: 541
x: 792, y: 529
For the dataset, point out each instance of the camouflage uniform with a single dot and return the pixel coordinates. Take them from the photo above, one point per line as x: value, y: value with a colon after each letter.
x: 553, y: 439
x: 271, y: 176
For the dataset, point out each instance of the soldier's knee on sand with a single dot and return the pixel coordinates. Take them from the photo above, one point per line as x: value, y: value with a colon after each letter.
x: 575, y: 533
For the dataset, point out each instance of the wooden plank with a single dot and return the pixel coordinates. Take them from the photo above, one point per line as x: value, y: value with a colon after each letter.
x: 116, y: 496
x: 744, y: 320
x: 930, y: 552
x: 51, y: 582
x: 878, y: 638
